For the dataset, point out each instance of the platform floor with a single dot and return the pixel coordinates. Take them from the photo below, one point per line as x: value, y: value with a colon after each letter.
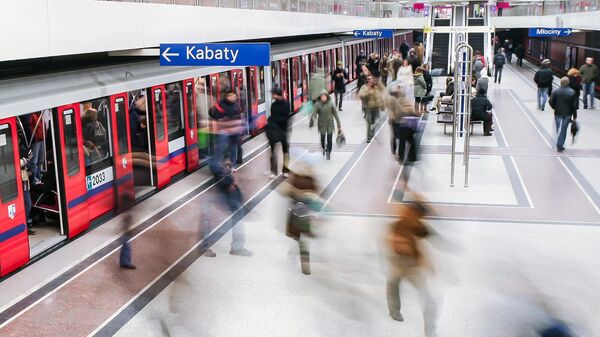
x: 520, y: 239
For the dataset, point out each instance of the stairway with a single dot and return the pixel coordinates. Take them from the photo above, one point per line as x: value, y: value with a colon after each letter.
x: 476, y: 41
x: 440, y: 53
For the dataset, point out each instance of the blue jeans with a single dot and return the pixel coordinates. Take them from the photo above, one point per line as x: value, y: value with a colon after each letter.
x: 37, y: 158
x: 497, y: 74
x: 227, y: 143
x: 588, y: 89
x: 562, y: 125
x: 542, y: 96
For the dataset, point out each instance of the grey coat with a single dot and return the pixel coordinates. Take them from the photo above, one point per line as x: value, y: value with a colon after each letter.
x: 325, y: 113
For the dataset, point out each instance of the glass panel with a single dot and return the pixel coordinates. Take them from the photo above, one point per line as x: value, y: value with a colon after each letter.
x: 71, y: 148
x: 189, y: 92
x: 175, y: 116
x: 121, y: 126
x: 8, y: 175
x: 261, y: 85
x: 158, y: 111
x: 96, y: 131
x: 202, y: 112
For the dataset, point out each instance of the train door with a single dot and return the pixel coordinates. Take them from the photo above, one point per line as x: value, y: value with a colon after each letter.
x: 257, y: 100
x: 276, y: 74
x: 14, y: 246
x: 327, y: 69
x: 176, y: 132
x: 305, y: 75
x: 285, y: 79
x: 141, y: 143
x: 349, y: 63
x: 121, y: 139
x: 203, y: 120
x: 191, y: 126
x: 158, y: 136
x: 238, y: 84
x: 296, y: 81
x: 72, y: 168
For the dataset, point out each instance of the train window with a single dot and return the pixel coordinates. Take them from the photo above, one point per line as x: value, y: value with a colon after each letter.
x: 261, y: 85
x: 160, y: 123
x: 174, y: 111
x: 71, y: 148
x: 189, y: 92
x: 121, y: 125
x: 8, y: 175
x: 96, y: 133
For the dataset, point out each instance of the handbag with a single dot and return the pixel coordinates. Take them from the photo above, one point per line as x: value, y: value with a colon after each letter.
x: 340, y: 140
x: 301, y: 216
x: 574, y: 130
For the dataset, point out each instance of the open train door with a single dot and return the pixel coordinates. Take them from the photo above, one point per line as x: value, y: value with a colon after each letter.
x: 121, y: 139
x: 160, y: 141
x: 14, y: 243
x: 72, y: 169
x: 191, y: 127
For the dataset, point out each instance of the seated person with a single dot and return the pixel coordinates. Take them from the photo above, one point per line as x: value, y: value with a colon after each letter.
x: 481, y: 110
x: 446, y: 96
x: 91, y: 153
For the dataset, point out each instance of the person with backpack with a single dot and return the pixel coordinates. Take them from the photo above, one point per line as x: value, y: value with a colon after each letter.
x: 277, y: 131
x: 499, y: 62
x: 543, y: 78
x: 325, y: 113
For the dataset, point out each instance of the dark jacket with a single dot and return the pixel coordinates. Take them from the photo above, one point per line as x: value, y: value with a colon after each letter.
x: 543, y: 77
x: 359, y: 62
x: 226, y: 110
x: 520, y: 52
x: 480, y: 105
x: 280, y: 114
x: 373, y: 67
x: 413, y: 60
x: 575, y: 84
x: 339, y: 81
x: 449, y: 89
x: 499, y: 60
x: 428, y: 80
x: 563, y: 101
x: 404, y: 48
x: 589, y: 72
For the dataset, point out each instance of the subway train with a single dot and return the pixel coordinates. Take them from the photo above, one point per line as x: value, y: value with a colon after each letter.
x: 88, y: 139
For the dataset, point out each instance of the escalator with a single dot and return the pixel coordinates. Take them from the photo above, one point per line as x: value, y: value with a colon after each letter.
x: 476, y: 42
x: 440, y: 52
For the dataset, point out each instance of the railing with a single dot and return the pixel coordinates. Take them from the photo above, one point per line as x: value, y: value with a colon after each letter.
x: 364, y: 8
x: 538, y: 8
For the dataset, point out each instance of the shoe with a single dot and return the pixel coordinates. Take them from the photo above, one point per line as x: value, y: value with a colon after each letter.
x: 341, y: 109
x: 368, y: 140
x: 328, y: 156
x: 560, y: 149
x: 30, y: 231
x: 209, y: 253
x: 129, y: 266
x: 487, y: 134
x: 272, y: 176
x: 397, y: 316
x: 241, y: 252
x: 36, y: 181
x: 324, y: 151
x: 285, y: 174
x: 305, y: 268
x: 542, y: 109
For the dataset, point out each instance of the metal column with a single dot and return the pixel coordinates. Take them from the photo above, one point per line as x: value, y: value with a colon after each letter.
x: 461, y: 119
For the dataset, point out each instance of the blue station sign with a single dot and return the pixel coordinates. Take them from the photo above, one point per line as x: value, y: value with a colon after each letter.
x: 215, y: 54
x: 373, y: 33
x: 548, y: 32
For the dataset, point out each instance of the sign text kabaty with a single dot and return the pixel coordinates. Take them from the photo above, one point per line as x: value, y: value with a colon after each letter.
x: 376, y: 33
x: 215, y: 54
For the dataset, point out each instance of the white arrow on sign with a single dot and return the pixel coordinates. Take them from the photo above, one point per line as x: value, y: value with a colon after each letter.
x: 568, y: 32
x: 166, y: 54
x: 356, y: 34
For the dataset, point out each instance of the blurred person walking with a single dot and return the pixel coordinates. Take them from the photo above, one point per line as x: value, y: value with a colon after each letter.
x: 302, y: 189
x: 373, y: 65
x: 413, y: 60
x: 575, y: 82
x: 564, y: 103
x: 543, y: 78
x: 360, y: 62
x: 384, y: 69
x: 520, y: 52
x: 339, y: 78
x: 325, y: 113
x: 125, y: 257
x: 227, y: 116
x: 316, y: 84
x: 277, y: 131
x: 372, y: 100
x: 399, y: 106
x: 407, y: 261
x: 404, y: 48
x: 499, y: 62
x: 589, y: 73
x: 232, y: 196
